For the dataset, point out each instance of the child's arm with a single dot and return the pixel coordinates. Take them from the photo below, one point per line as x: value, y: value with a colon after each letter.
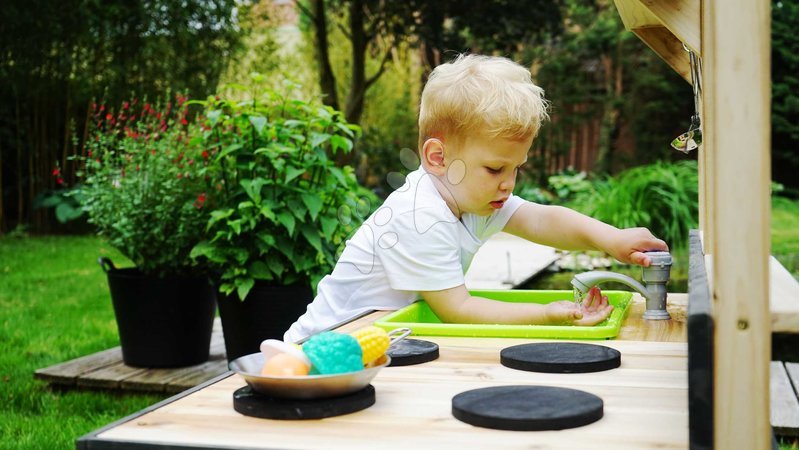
x: 456, y: 305
x: 567, y: 229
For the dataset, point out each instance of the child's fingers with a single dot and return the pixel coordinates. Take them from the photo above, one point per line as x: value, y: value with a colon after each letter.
x: 590, y: 299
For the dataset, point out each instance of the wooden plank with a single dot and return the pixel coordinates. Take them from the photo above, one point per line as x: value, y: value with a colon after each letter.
x: 175, y: 379
x: 736, y: 124
x: 635, y: 328
x: 664, y: 25
x: 66, y: 373
x: 645, y: 407
x: 505, y: 261
x: 207, y: 371
x: 783, y: 299
x: 107, y: 370
x: 681, y: 17
x: 784, y: 404
x: 668, y: 47
x: 109, y: 377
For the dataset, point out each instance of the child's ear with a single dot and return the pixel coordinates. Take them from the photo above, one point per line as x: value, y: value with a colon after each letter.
x: 433, y: 156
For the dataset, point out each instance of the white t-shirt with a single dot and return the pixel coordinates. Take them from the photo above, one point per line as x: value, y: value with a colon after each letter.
x: 412, y: 243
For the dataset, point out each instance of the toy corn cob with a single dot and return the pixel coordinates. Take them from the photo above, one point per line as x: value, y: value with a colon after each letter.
x: 374, y: 342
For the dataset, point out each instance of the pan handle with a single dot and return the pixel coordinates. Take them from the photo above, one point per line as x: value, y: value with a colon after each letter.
x: 398, y: 334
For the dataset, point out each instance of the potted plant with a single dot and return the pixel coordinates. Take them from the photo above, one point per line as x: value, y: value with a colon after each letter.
x: 145, y: 188
x: 278, y: 223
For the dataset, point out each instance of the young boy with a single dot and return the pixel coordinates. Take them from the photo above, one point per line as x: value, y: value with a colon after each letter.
x: 477, y: 120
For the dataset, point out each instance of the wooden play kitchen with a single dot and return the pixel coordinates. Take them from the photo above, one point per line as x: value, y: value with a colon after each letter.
x: 662, y: 395
x: 645, y: 401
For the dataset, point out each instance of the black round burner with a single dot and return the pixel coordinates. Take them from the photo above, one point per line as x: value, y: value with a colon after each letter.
x: 527, y: 408
x: 560, y: 357
x: 251, y: 403
x: 408, y: 352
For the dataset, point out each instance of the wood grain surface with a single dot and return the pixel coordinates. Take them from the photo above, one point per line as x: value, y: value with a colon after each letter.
x: 645, y: 403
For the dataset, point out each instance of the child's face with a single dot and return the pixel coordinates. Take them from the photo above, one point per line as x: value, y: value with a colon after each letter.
x: 481, y: 173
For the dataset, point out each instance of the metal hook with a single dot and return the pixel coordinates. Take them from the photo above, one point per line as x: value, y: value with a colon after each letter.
x: 692, y: 139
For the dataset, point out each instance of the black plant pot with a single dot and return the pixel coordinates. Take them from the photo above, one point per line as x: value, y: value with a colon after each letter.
x: 266, y: 313
x: 162, y: 322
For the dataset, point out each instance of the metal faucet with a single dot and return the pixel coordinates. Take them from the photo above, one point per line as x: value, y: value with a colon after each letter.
x: 654, y: 288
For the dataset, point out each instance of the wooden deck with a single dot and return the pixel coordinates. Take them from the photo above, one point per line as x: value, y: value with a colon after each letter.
x: 784, y: 387
x: 105, y: 370
x: 505, y: 261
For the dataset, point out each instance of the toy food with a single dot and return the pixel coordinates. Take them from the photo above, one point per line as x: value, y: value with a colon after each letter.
x: 332, y: 352
x: 284, y: 365
x: 272, y: 347
x: 374, y: 342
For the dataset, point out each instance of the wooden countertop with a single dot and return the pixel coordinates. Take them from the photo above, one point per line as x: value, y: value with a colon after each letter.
x: 646, y: 402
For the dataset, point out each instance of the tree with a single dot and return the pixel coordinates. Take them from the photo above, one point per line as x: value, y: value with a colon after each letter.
x: 57, y: 55
x: 785, y: 93
x: 596, y: 70
x: 373, y: 27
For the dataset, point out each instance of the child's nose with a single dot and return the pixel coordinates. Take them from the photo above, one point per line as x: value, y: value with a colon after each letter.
x: 507, y: 184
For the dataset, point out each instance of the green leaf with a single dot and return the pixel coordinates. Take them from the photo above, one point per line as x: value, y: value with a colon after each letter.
x: 339, y: 142
x: 253, y: 188
x: 287, y: 220
x: 276, y: 266
x: 260, y: 271
x: 65, y: 212
x: 339, y: 175
x: 266, y: 237
x: 213, y: 116
x: 228, y: 150
x: 285, y: 248
x: 317, y: 139
x: 267, y: 212
x: 292, y: 173
x: 313, y: 203
x: 312, y: 236
x: 243, y: 287
x: 235, y: 225
x: 328, y: 227
x: 258, y: 122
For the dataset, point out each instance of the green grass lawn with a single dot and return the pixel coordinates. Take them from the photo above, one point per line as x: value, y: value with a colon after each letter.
x: 54, y: 306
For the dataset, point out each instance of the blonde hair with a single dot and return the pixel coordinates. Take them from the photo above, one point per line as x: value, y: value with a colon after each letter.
x: 489, y: 95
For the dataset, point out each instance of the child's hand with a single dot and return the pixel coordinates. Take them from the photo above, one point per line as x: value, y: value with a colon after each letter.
x: 594, y: 309
x: 629, y: 244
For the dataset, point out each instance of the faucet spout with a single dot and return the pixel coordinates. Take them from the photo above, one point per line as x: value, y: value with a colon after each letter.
x: 655, y: 277
x: 586, y: 280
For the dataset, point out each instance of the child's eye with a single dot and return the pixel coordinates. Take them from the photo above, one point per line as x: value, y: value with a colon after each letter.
x: 492, y: 170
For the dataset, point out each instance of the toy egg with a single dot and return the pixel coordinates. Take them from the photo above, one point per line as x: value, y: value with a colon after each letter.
x: 284, y: 365
x: 272, y: 347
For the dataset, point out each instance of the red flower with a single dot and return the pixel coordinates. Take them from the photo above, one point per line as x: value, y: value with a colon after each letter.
x: 205, y: 154
x: 60, y: 181
x: 125, y: 105
x: 184, y: 121
x: 200, y: 200
x: 56, y: 171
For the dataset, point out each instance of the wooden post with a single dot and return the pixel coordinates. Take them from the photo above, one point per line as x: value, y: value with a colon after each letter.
x: 736, y: 59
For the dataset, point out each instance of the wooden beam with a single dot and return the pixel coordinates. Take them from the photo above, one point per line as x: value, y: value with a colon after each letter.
x: 664, y: 25
x: 668, y: 47
x: 736, y: 60
x: 681, y: 17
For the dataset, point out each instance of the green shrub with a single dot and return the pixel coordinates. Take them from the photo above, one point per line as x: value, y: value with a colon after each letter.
x: 279, y: 216
x: 662, y: 197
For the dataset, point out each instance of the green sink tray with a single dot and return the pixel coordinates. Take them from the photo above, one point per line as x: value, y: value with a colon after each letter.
x: 421, y: 319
